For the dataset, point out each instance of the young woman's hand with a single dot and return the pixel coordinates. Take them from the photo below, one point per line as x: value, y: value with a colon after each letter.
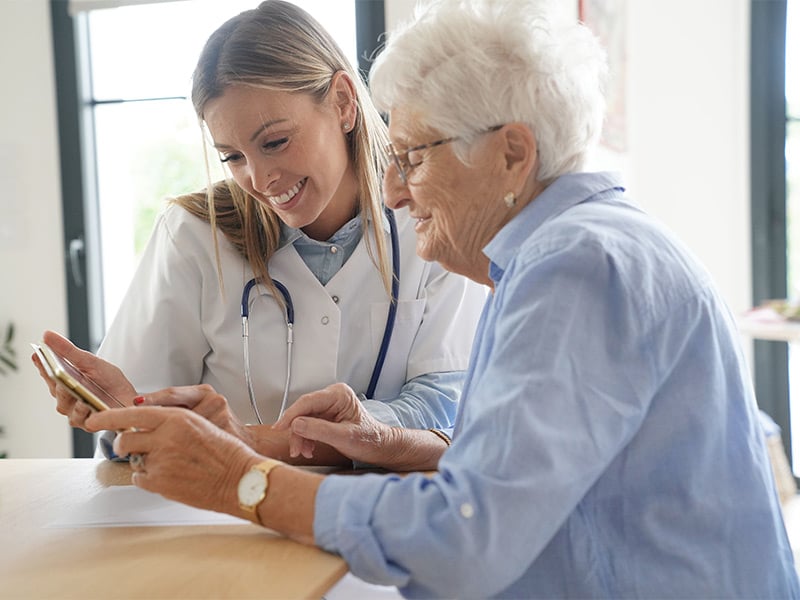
x: 102, y: 372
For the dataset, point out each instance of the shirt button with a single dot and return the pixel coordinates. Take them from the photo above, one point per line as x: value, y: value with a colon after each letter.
x: 335, y: 299
x: 334, y: 249
x: 324, y: 320
x: 467, y: 511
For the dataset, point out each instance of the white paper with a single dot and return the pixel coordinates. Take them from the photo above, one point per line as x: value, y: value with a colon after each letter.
x: 129, y: 506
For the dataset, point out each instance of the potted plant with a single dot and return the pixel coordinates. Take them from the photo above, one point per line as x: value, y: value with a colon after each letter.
x: 8, y: 361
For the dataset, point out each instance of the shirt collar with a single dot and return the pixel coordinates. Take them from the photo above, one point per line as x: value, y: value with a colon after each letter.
x: 565, y: 192
x: 290, y: 235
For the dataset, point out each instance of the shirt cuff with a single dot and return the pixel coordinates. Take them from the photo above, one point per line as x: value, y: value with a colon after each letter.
x: 381, y: 411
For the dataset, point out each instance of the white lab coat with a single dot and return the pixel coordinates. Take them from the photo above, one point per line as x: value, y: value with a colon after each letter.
x: 176, y: 327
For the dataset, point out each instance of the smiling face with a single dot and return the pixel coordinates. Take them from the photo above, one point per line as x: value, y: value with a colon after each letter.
x: 455, y: 205
x: 290, y: 152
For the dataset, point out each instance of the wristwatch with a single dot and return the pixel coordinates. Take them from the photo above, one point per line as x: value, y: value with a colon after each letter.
x: 253, y: 486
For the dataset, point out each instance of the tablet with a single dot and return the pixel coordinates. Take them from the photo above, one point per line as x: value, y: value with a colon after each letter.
x: 80, y: 385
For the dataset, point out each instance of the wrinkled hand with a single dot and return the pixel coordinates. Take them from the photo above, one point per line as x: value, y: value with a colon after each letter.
x: 203, y: 400
x: 105, y: 374
x: 185, y: 457
x: 335, y: 416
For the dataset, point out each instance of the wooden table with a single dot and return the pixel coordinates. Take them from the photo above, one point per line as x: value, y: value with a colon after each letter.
x: 209, y: 561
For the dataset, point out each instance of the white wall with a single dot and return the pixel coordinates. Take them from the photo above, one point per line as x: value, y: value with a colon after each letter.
x: 687, y: 121
x: 31, y: 274
x: 688, y: 104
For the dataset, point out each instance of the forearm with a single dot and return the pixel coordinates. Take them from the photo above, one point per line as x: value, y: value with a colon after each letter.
x: 429, y: 400
x: 411, y: 450
x: 289, y: 505
x: 275, y: 444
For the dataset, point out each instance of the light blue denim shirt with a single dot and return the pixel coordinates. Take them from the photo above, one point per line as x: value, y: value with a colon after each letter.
x: 427, y: 401
x: 607, y: 444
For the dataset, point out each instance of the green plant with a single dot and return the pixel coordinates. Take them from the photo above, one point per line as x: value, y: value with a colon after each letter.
x: 8, y: 357
x: 8, y: 361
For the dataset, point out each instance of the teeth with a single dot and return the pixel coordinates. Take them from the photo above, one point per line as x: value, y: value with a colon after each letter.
x: 287, y: 195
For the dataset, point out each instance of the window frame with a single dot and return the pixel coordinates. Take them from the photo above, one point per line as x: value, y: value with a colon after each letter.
x: 768, y: 200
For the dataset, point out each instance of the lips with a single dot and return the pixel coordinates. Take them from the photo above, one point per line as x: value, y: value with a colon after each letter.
x: 288, y: 194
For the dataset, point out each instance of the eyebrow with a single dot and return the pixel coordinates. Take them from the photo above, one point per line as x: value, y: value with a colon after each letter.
x: 256, y: 133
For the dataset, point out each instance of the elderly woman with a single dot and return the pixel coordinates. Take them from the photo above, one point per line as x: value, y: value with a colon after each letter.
x: 607, y: 442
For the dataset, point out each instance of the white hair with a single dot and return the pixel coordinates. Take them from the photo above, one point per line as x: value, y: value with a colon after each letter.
x: 463, y: 66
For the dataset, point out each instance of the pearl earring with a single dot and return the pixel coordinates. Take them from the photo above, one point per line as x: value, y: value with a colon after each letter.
x: 346, y: 127
x: 510, y: 199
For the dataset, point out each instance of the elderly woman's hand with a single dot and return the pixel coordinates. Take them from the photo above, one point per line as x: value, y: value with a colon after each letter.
x: 185, y: 457
x: 105, y: 374
x: 336, y: 417
x: 206, y: 402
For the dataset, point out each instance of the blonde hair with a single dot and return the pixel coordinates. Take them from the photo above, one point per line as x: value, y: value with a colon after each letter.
x: 279, y: 46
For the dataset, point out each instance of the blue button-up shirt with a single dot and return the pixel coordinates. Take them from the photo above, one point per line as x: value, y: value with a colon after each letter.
x: 607, y: 444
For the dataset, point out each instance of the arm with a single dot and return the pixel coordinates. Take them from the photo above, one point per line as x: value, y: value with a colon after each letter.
x: 427, y: 401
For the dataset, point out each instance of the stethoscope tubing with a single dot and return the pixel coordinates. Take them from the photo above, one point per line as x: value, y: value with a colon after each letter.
x: 289, y: 320
x: 392, y: 314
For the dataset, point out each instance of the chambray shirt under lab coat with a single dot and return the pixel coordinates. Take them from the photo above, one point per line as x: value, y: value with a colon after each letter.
x: 607, y: 443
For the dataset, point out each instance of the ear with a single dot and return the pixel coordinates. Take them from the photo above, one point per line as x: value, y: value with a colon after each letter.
x: 520, y: 151
x: 342, y: 95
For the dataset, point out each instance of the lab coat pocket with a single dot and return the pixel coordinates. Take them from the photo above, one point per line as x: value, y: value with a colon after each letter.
x: 406, y: 326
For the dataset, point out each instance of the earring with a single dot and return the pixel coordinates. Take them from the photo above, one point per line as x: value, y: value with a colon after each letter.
x: 510, y: 199
x: 346, y: 127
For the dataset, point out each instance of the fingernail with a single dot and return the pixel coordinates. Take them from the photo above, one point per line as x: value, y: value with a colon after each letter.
x: 138, y: 400
x: 299, y: 425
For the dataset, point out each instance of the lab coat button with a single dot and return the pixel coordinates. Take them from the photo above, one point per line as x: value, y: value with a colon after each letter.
x: 335, y: 299
x: 324, y: 320
x: 467, y: 511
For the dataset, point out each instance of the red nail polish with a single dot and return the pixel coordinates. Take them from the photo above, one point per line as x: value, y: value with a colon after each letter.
x: 138, y: 400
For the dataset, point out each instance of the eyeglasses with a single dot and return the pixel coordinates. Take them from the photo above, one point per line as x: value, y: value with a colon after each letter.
x: 407, y: 160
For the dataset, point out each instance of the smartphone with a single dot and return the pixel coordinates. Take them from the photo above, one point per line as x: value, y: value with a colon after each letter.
x: 80, y: 385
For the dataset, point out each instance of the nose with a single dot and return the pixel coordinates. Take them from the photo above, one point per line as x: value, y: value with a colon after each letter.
x: 395, y: 193
x: 263, y: 176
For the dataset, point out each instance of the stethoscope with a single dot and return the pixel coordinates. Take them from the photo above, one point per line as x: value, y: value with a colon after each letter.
x: 289, y: 319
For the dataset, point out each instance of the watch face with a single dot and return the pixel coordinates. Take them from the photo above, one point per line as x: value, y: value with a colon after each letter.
x: 252, y: 487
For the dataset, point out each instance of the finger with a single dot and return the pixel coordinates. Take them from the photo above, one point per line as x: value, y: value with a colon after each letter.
x: 120, y: 419
x: 62, y: 346
x: 307, y: 448
x: 78, y: 414
x: 295, y: 445
x: 320, y: 430
x: 314, y: 403
x: 131, y: 443
x: 65, y: 400
x: 43, y: 374
x: 183, y: 396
